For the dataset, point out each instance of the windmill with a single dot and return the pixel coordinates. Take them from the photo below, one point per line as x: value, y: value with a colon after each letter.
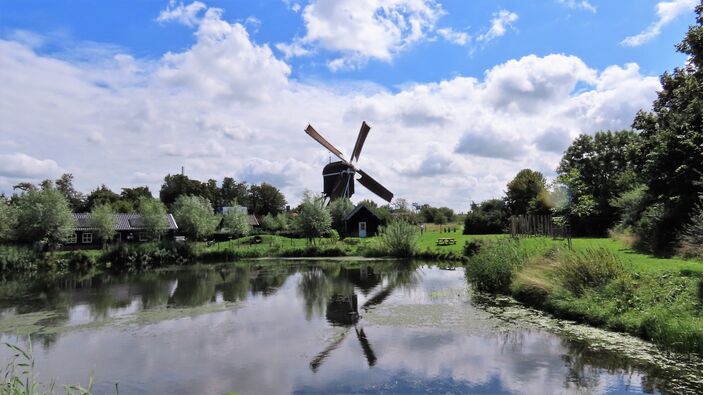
x: 338, y: 177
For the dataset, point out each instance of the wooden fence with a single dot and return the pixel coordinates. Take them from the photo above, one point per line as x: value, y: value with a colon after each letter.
x: 540, y: 225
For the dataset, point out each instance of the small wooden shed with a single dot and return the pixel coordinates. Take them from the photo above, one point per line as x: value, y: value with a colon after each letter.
x: 361, y: 222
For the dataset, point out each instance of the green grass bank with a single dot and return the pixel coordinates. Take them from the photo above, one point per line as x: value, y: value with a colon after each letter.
x: 601, y: 283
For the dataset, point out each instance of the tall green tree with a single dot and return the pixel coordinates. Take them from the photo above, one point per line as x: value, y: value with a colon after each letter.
x: 236, y: 223
x: 8, y: 219
x: 179, y: 184
x: 44, y: 216
x: 102, y: 220
x: 671, y: 150
x: 233, y: 192
x: 195, y: 216
x: 265, y: 199
x: 526, y: 193
x: 75, y: 199
x: 101, y: 195
x: 596, y: 170
x: 313, y: 219
x: 153, y: 214
x: 129, y: 199
x: 487, y: 217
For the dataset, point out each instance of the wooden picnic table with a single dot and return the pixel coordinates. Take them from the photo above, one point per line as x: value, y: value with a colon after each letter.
x: 446, y: 241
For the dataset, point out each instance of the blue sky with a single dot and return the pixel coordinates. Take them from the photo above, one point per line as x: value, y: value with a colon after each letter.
x: 210, y: 85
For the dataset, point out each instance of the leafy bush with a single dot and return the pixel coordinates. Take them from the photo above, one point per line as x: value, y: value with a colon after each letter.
x: 492, y: 270
x: 18, y: 259
x: 591, y: 268
x: 648, y: 228
x: 333, y: 235
x: 471, y: 247
x: 489, y: 217
x: 400, y: 238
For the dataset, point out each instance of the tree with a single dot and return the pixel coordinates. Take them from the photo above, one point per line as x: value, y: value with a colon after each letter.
x: 525, y: 194
x: 99, y: 196
x: 65, y: 185
x: 44, y: 216
x: 269, y: 223
x: 596, y: 170
x: 177, y: 185
x: 195, y: 216
x: 102, y: 220
x: 488, y: 217
x: 153, y: 214
x: 313, y: 220
x: 339, y: 208
x: 369, y: 203
x: 266, y: 198
x: 233, y: 192
x: 671, y: 149
x: 283, y: 221
x: 8, y: 218
x: 236, y: 223
x: 129, y: 199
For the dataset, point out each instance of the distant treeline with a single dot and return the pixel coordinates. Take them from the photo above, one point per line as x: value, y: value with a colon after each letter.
x: 645, y: 183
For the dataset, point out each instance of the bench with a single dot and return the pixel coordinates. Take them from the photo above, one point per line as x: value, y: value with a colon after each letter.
x: 446, y: 241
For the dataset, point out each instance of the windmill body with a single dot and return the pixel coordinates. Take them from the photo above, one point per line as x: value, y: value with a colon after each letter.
x: 338, y: 180
x: 338, y: 177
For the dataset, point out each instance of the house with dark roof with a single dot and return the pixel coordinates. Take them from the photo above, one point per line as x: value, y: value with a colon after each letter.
x: 361, y: 222
x: 128, y: 228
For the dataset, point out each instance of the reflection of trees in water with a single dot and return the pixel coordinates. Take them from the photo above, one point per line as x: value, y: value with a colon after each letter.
x: 235, y: 283
x: 585, y: 365
x: 152, y: 289
x: 266, y: 281
x: 194, y: 288
x: 314, y: 288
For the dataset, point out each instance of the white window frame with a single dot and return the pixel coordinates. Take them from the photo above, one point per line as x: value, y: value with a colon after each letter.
x: 73, y: 239
x: 142, y: 236
x: 87, y: 237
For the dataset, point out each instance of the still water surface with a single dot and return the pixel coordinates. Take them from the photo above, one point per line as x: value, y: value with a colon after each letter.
x: 276, y: 327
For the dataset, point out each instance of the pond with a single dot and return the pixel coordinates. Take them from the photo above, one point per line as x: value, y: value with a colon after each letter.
x: 283, y: 326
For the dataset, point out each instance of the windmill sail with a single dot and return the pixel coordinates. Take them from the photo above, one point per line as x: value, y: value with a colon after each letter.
x: 363, y: 132
x: 317, y: 137
x: 375, y: 187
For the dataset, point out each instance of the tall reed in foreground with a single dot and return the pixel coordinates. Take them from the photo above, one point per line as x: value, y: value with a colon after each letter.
x: 18, y: 377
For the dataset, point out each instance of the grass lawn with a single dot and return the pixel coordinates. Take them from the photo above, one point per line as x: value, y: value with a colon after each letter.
x: 640, y: 262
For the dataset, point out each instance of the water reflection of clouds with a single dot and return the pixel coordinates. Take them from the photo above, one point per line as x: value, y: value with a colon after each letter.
x: 266, y: 345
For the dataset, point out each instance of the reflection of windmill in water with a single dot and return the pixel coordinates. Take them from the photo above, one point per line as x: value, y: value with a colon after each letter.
x: 342, y: 311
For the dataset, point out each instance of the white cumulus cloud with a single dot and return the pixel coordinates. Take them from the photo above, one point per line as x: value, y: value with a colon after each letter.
x: 226, y: 106
x: 19, y: 165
